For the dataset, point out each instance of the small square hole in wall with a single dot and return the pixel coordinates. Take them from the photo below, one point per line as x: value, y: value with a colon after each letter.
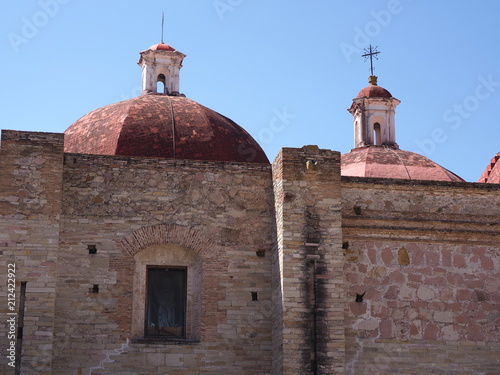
x: 255, y: 297
x: 92, y: 249
x: 95, y: 288
x: 261, y: 252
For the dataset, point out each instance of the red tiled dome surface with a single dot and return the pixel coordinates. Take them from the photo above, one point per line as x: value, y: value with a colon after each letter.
x: 374, y: 91
x: 161, y: 47
x: 378, y: 161
x: 143, y: 126
x: 492, y: 172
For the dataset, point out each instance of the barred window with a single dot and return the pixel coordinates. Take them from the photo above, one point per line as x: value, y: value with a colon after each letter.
x: 166, y: 302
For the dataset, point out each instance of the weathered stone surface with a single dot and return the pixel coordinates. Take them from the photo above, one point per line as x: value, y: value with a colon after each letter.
x: 403, y: 257
x: 439, y: 291
x: 309, y: 294
x: 275, y: 258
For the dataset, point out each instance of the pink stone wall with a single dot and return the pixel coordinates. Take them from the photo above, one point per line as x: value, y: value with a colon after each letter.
x: 446, y: 292
x: 425, y: 257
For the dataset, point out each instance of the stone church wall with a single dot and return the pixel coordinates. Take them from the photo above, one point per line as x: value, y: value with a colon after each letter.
x: 31, y: 169
x: 308, y: 280
x: 425, y: 258
x: 221, y: 211
x: 291, y: 268
x: 58, y: 207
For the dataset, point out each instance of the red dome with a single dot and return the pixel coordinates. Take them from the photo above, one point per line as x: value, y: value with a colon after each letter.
x: 162, y: 126
x: 492, y: 172
x: 378, y: 161
x: 374, y: 91
x: 161, y: 47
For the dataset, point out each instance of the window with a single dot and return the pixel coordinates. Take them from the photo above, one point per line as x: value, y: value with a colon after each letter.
x: 376, y: 134
x: 161, y: 84
x: 166, y: 302
x: 166, y: 294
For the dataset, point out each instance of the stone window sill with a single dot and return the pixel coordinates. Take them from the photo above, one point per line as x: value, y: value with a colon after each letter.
x: 165, y: 341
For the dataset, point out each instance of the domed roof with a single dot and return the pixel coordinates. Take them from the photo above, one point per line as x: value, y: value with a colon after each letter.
x: 492, y: 172
x: 158, y: 125
x: 384, y: 162
x: 373, y: 91
x: 161, y: 47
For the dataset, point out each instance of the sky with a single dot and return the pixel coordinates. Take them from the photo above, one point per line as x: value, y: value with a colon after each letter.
x: 285, y: 70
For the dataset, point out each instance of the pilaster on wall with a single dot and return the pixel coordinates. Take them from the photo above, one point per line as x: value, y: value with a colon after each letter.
x: 308, y: 281
x: 31, y: 166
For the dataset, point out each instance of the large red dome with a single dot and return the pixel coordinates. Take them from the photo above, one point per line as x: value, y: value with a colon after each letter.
x: 157, y: 125
x: 383, y: 162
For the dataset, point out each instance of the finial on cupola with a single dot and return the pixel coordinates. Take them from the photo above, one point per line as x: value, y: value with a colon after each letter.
x: 161, y: 65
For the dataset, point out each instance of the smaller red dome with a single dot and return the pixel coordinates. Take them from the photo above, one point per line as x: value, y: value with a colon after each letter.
x: 374, y: 91
x: 492, y: 172
x: 384, y: 162
x: 162, y: 47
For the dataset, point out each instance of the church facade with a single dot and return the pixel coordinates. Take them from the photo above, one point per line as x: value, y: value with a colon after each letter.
x: 154, y: 237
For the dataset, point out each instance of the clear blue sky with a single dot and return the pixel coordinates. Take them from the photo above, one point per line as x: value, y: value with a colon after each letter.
x: 285, y: 70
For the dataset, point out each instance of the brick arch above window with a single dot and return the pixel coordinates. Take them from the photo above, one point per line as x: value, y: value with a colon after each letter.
x: 169, y: 246
x: 168, y: 234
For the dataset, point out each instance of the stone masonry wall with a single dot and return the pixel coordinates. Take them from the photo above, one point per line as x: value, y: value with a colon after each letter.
x: 308, y: 331
x: 425, y: 258
x: 371, y: 276
x: 223, y: 212
x: 30, y: 204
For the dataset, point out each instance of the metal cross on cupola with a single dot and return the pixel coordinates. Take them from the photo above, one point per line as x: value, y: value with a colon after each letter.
x: 371, y: 52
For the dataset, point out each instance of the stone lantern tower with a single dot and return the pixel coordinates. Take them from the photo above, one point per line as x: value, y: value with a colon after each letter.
x: 373, y: 113
x: 161, y: 63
